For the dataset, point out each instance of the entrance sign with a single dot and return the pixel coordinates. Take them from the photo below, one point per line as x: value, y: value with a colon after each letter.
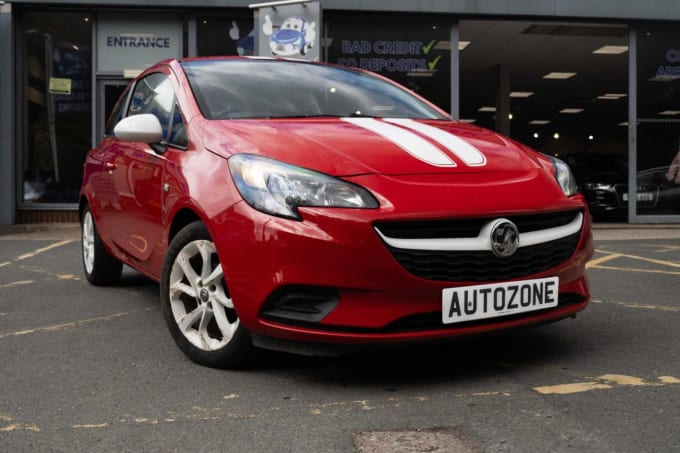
x: 124, y: 44
x: 289, y: 30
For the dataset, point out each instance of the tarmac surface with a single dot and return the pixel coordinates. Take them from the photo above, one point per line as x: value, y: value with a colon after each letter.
x: 92, y: 369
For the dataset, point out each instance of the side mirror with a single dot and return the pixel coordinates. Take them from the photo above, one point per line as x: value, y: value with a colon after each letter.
x: 139, y: 128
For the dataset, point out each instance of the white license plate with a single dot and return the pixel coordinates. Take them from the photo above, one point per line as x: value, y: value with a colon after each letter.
x: 642, y: 196
x: 469, y: 303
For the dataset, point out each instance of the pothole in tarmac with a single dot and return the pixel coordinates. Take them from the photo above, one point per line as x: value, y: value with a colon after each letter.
x: 436, y: 440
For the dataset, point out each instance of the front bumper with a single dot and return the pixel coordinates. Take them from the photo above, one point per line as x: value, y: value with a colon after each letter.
x: 332, y: 279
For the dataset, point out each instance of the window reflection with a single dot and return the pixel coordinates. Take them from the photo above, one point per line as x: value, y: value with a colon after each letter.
x: 658, y: 128
x: 57, y: 100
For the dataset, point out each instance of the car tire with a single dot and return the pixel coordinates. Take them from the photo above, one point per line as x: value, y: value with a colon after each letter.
x: 196, y: 303
x: 100, y: 267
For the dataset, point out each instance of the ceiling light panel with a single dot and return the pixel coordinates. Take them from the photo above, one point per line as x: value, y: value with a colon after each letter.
x: 559, y: 75
x: 612, y: 96
x: 611, y: 50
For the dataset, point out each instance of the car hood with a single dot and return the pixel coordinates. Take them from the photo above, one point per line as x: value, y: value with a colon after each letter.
x: 359, y: 146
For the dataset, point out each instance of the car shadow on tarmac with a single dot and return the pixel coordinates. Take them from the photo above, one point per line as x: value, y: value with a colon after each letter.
x: 464, y: 359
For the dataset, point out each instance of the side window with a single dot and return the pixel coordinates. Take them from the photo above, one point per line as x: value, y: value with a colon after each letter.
x: 116, y: 114
x: 153, y: 94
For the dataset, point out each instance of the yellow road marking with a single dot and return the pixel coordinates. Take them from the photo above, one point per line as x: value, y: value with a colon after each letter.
x: 13, y: 284
x: 99, y: 425
x: 597, y: 263
x: 605, y: 382
x: 16, y: 426
x: 6, y: 263
x: 38, y: 270
x: 664, y: 247
x: 632, y: 269
x: 669, y: 380
x: 604, y: 259
x: 567, y: 389
x: 639, y: 306
x: 72, y: 324
x: 620, y: 379
x: 43, y: 249
x: 491, y: 394
x: 652, y: 260
x: 20, y: 427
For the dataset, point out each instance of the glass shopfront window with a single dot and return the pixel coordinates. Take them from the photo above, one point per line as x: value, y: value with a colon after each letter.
x: 219, y: 35
x: 561, y: 88
x: 56, y: 97
x: 411, y: 50
x: 658, y: 128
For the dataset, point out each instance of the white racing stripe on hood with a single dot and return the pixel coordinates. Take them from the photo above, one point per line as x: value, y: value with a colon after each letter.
x: 459, y: 147
x: 406, y: 140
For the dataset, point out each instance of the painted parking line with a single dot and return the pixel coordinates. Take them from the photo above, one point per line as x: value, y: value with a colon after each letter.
x: 8, y: 424
x: 70, y: 325
x: 44, y: 249
x: 37, y: 252
x: 610, y: 256
x: 606, y: 382
x: 634, y: 269
x: 652, y: 260
x: 603, y: 259
x: 15, y: 284
x: 639, y: 306
x: 224, y: 409
x: 662, y: 248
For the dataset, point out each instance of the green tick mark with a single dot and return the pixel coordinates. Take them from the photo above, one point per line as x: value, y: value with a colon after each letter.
x: 433, y: 64
x: 427, y: 48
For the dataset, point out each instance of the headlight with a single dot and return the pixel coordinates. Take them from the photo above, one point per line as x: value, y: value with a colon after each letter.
x: 564, y: 177
x: 277, y: 188
x: 599, y: 186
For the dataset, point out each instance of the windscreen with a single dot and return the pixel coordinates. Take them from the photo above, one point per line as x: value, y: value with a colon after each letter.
x: 251, y: 88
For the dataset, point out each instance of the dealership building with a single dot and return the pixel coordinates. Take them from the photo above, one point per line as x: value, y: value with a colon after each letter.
x: 596, y: 83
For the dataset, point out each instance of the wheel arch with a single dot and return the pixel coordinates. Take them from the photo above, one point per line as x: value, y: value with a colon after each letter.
x: 182, y: 218
x: 82, y: 202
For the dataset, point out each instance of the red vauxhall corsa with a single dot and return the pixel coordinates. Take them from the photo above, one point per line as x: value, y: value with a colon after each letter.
x: 308, y: 207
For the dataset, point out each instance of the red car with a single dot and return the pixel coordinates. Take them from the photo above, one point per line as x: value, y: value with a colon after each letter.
x: 314, y: 208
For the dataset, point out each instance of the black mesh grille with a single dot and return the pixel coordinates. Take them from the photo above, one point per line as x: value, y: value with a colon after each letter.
x: 481, y: 266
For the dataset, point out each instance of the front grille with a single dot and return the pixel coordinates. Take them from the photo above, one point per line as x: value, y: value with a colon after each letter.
x: 485, y: 266
x: 480, y: 266
x: 467, y: 228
